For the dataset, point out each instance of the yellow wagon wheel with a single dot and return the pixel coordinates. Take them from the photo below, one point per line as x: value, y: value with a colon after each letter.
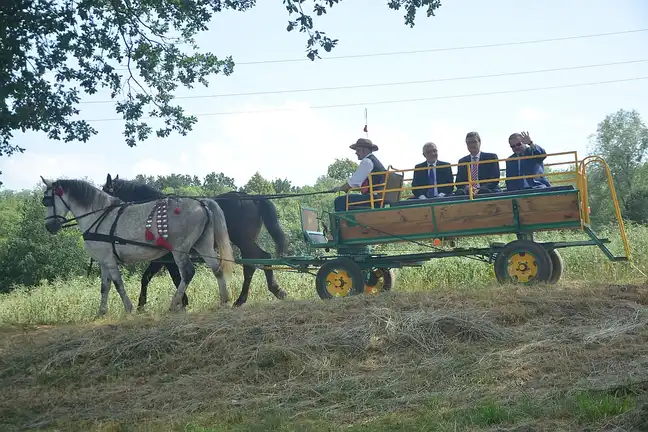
x: 523, y: 261
x: 379, y: 280
x: 339, y: 278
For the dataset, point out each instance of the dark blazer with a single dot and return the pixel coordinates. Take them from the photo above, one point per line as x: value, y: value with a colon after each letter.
x: 487, y: 171
x: 528, y: 167
x: 443, y: 175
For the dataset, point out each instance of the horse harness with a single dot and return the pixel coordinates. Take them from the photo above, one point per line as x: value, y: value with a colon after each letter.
x: 160, y: 210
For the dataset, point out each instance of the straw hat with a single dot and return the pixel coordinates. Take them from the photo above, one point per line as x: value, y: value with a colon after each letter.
x: 366, y: 143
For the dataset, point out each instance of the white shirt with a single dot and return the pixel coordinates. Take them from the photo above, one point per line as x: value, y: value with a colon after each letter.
x: 363, y: 171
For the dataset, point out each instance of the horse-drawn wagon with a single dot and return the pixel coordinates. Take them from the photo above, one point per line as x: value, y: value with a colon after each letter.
x: 117, y: 229
x: 354, y: 269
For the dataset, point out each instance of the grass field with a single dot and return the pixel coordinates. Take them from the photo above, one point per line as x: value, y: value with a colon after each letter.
x: 447, y: 350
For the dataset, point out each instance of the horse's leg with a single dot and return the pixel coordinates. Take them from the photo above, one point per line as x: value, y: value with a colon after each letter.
x: 187, y: 272
x: 205, y: 247
x: 273, y: 285
x: 105, y: 289
x: 150, y: 271
x: 248, y: 273
x: 115, y: 275
x: 175, y: 275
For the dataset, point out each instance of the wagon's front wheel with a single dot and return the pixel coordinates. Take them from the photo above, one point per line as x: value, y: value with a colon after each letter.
x: 379, y: 280
x: 339, y: 278
x: 523, y: 261
x: 558, y: 266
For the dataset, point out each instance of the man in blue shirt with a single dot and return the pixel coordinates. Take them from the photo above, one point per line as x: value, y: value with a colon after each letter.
x: 522, y: 145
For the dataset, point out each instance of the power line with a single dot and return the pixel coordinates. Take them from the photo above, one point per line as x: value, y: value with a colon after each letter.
x: 399, y: 100
x: 456, y: 48
x: 467, y: 47
x: 397, y: 83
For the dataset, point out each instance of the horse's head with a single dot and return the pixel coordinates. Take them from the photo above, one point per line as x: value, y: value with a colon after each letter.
x: 112, y: 185
x: 56, y: 204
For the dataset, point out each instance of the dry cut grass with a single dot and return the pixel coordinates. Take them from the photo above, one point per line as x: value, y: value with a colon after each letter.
x: 505, y: 358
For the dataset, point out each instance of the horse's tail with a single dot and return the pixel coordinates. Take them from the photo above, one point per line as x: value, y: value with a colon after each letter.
x: 221, y: 237
x: 270, y: 218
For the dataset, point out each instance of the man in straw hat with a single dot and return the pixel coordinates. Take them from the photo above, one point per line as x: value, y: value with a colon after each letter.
x: 369, y: 164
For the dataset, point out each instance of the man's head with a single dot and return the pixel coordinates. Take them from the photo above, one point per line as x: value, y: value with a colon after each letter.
x: 473, y: 143
x: 515, y: 141
x: 430, y: 152
x: 363, y: 147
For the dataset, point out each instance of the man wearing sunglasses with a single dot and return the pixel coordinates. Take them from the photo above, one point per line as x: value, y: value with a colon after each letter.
x: 522, y: 145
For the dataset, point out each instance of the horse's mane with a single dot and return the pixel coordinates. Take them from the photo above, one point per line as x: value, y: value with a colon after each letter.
x: 84, y: 193
x: 139, y: 190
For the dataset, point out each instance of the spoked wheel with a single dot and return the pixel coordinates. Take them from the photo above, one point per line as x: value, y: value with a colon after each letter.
x: 339, y: 278
x: 379, y: 280
x: 523, y: 261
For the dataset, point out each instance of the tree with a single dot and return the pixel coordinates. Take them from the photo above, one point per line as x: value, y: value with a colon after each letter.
x: 215, y: 184
x: 341, y: 169
x: 177, y: 181
x: 283, y: 186
x: 622, y: 140
x: 258, y: 185
x: 140, y: 51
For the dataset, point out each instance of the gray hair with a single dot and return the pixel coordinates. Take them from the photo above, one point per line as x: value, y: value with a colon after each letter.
x: 428, y: 145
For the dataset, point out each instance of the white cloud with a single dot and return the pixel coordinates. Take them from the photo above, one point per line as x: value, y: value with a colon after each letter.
x: 152, y: 167
x: 24, y: 170
x: 533, y: 115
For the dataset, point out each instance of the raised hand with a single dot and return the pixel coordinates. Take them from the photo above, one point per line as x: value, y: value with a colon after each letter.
x: 526, y: 138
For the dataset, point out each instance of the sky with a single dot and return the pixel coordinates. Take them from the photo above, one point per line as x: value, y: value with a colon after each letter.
x: 298, y: 134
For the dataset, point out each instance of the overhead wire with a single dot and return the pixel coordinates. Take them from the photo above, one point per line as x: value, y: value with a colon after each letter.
x: 441, y: 49
x: 396, y: 83
x: 395, y: 101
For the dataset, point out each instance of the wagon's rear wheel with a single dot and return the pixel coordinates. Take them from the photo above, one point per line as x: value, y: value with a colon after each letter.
x: 523, y: 261
x: 339, y: 278
x: 379, y: 280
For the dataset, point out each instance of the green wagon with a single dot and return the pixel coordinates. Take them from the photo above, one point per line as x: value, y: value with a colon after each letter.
x: 350, y: 267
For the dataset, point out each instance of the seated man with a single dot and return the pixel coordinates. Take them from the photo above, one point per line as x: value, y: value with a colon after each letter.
x: 522, y: 145
x: 487, y: 171
x: 369, y: 164
x: 432, y: 176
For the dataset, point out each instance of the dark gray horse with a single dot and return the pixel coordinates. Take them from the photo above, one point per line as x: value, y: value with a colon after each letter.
x: 244, y: 218
x: 114, y: 232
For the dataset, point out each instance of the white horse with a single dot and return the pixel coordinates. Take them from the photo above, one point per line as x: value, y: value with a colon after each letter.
x: 115, y: 231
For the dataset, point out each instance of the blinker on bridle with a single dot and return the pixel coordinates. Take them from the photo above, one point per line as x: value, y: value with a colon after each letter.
x: 50, y: 201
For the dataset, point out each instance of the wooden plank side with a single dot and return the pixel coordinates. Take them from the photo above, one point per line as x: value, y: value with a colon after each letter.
x: 548, y: 209
x: 400, y: 222
x: 472, y: 215
x: 461, y: 218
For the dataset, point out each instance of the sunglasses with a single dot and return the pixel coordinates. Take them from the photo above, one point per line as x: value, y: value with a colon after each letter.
x: 516, y: 145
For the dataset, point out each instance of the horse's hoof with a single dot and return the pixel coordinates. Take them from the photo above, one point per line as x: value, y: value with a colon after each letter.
x: 238, y: 303
x: 281, y: 294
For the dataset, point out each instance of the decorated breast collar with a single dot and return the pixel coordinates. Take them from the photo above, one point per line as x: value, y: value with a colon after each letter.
x: 160, y: 212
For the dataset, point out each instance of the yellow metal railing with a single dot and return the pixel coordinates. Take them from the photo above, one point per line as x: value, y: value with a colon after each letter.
x: 373, y: 200
x: 617, y: 208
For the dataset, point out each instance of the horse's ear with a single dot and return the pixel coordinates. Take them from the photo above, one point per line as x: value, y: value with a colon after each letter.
x: 117, y: 177
x: 108, y: 179
x: 47, y: 183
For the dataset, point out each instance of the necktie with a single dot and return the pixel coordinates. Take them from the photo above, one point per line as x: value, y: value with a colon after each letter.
x: 432, y: 180
x: 474, y: 171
